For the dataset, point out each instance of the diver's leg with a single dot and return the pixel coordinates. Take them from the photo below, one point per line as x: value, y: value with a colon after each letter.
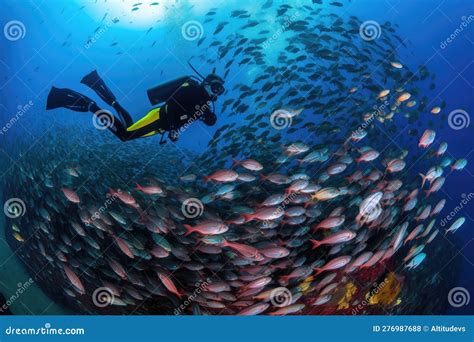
x: 70, y: 99
x: 113, y: 124
x: 93, y: 81
x: 127, y: 119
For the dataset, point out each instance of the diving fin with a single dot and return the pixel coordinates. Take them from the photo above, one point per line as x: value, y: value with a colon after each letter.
x: 70, y: 99
x: 93, y: 81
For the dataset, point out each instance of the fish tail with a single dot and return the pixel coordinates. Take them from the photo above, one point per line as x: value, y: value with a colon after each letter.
x: 315, y: 243
x: 423, y: 179
x: 189, y: 229
x: 247, y: 217
x: 235, y: 163
x: 206, y: 179
x: 138, y: 187
x: 262, y: 177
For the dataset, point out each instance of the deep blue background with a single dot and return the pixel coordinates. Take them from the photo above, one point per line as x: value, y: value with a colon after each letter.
x: 30, y: 66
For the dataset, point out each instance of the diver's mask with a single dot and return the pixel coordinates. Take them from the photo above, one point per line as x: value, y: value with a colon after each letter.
x: 214, y: 85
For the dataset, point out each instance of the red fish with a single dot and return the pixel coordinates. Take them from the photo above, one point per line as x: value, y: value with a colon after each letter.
x: 74, y: 279
x: 222, y: 176
x: 265, y: 214
x: 169, y: 284
x: 117, y: 268
x: 330, y: 222
x: 123, y: 246
x: 249, y: 164
x: 248, y: 252
x: 427, y: 138
x: 334, y: 264
x: 125, y: 197
x: 254, y: 309
x: 339, y: 237
x: 150, y: 190
x: 71, y: 195
x: 207, y: 228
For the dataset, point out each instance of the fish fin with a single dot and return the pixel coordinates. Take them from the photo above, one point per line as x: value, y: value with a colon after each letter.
x: 315, y: 243
x: 423, y: 179
x: 263, y: 178
x: 247, y: 217
x: 206, y: 179
x: 235, y: 163
x: 138, y: 187
x: 110, y: 193
x: 189, y: 229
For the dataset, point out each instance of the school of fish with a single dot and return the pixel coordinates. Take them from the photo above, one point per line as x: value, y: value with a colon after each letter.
x: 329, y: 191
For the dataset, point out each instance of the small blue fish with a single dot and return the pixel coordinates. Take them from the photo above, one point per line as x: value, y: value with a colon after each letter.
x: 416, y: 261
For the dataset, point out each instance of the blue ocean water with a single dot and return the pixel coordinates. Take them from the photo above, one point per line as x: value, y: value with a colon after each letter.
x: 64, y: 40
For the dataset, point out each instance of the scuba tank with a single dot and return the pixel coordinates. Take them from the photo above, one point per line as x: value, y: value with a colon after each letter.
x: 163, y: 92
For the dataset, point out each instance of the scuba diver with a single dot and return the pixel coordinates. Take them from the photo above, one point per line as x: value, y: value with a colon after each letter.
x: 183, y: 100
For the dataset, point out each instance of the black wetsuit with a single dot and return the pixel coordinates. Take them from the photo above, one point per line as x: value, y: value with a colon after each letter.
x: 190, y: 102
x: 183, y: 100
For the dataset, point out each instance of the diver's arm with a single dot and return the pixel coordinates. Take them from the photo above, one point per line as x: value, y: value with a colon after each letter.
x: 209, y: 117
